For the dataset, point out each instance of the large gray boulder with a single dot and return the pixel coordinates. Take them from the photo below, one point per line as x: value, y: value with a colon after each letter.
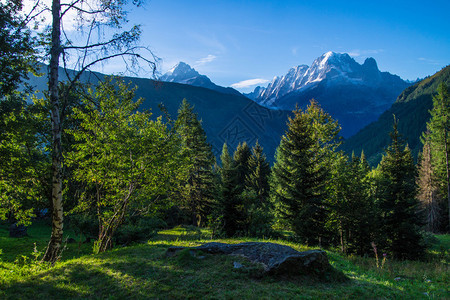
x: 276, y: 259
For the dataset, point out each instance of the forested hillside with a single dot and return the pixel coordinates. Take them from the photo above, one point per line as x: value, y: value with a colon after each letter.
x: 411, y: 110
x: 226, y: 117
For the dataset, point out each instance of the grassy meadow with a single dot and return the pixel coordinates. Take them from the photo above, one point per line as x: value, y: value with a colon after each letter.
x: 143, y: 271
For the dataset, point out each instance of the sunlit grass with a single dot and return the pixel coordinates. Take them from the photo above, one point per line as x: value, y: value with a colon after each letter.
x: 144, y: 271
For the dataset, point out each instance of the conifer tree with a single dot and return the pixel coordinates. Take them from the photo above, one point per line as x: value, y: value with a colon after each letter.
x: 197, y: 190
x: 257, y: 179
x: 398, y: 204
x: 364, y: 164
x: 351, y: 208
x: 229, y: 209
x: 241, y: 159
x: 256, y: 194
x: 299, y: 180
x: 439, y: 127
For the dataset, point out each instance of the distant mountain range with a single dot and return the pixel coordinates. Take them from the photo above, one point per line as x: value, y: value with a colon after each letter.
x: 411, y: 109
x: 352, y: 93
x: 226, y: 117
x: 183, y: 73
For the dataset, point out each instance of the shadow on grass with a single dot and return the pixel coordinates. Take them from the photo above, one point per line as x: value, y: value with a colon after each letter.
x: 144, y: 271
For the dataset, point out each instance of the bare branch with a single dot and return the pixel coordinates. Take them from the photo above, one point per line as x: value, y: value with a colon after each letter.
x: 69, y: 6
x: 79, y: 9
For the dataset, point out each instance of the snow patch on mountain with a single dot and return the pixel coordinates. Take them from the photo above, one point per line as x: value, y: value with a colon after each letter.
x: 183, y: 73
x: 330, y: 68
x: 180, y: 73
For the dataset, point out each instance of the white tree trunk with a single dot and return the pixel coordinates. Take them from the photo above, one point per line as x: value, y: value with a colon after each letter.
x: 54, y: 245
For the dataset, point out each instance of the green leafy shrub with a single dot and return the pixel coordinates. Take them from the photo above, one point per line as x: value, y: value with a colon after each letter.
x: 138, y: 229
x: 84, y: 224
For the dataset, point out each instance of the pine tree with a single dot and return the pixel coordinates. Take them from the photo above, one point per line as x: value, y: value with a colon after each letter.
x: 364, y: 164
x: 241, y: 159
x: 438, y: 128
x: 198, y: 189
x: 398, y: 204
x: 299, y: 180
x: 229, y: 210
x: 351, y: 208
x: 257, y: 179
x: 256, y: 194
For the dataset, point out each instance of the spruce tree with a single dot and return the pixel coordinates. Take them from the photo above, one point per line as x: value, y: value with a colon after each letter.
x: 398, y: 204
x: 257, y: 180
x: 229, y: 209
x: 299, y: 180
x: 351, y: 214
x: 438, y: 128
x: 256, y: 194
x: 197, y: 190
x: 241, y: 159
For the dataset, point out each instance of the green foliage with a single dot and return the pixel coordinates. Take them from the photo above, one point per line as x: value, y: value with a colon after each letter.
x: 258, y: 208
x: 84, y: 224
x: 230, y: 205
x: 241, y: 158
x: 244, y: 207
x: 437, y: 135
x: 352, y: 217
x: 302, y: 170
x: 17, y: 47
x: 128, y: 159
x: 24, y: 160
x: 138, y: 229
x: 198, y: 189
x: 400, y: 223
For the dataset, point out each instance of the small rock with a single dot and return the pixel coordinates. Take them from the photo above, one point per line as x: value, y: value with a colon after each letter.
x: 17, y: 231
x: 237, y: 265
x: 398, y: 278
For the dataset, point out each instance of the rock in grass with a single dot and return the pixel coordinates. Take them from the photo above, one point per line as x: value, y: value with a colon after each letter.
x: 276, y: 259
x: 17, y: 231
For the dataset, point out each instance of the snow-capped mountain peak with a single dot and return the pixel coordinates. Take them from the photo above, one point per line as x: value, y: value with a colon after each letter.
x: 183, y: 73
x: 180, y: 73
x: 330, y: 67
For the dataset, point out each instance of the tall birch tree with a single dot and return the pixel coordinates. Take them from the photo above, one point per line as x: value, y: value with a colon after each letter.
x: 99, y: 36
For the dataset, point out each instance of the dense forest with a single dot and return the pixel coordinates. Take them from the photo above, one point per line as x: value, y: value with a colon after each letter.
x: 88, y: 157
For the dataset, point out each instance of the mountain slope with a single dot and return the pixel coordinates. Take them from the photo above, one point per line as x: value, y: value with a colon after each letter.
x: 226, y: 117
x: 411, y: 109
x: 183, y: 73
x: 352, y: 93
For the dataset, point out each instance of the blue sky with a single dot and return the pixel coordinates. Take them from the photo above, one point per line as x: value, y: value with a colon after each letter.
x: 233, y: 41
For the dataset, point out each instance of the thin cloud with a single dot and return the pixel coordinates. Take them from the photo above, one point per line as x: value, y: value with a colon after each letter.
x: 367, y: 52
x: 205, y: 60
x: 249, y: 83
x: 209, y: 41
x: 429, y: 61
